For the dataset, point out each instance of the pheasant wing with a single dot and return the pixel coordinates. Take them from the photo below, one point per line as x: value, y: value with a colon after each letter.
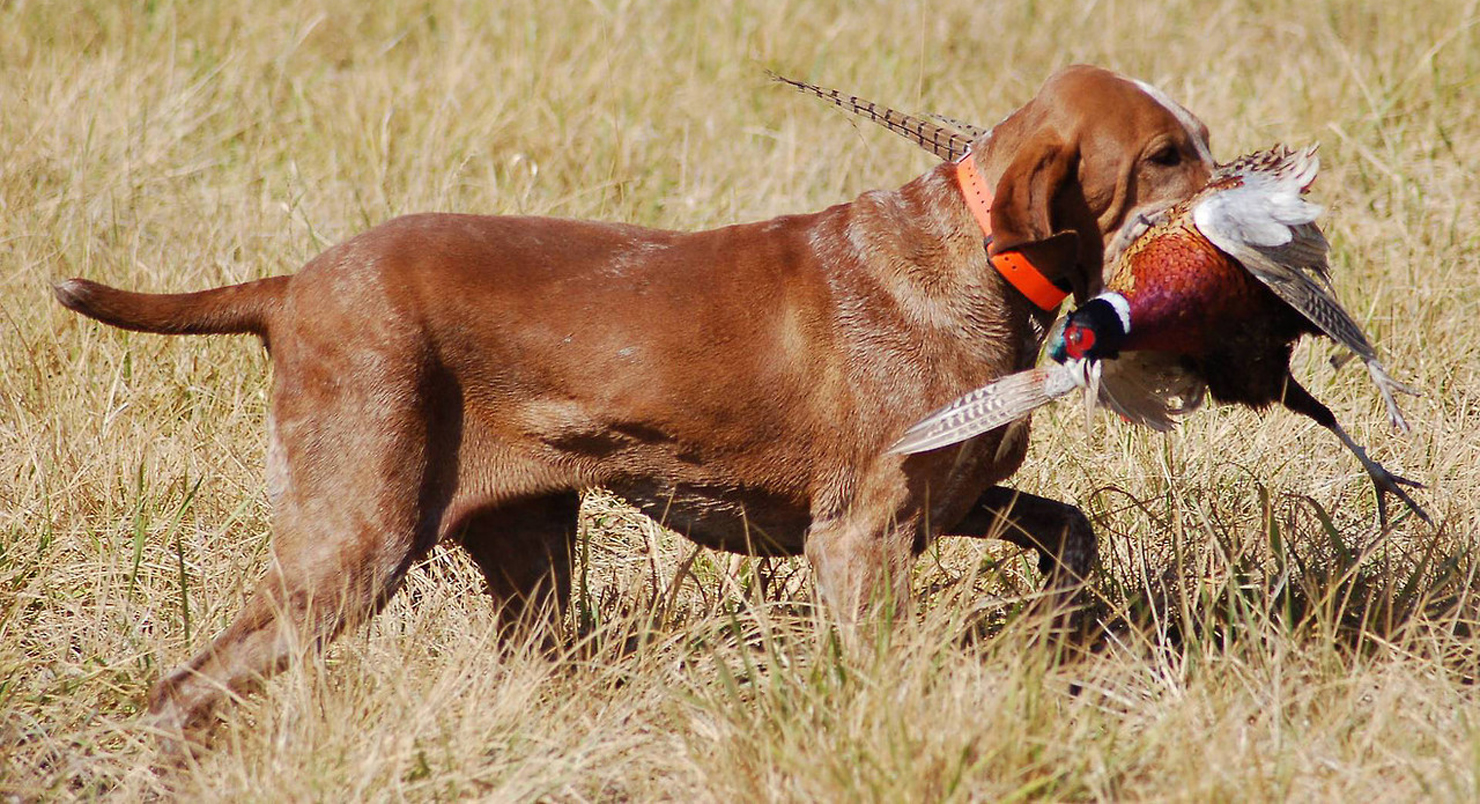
x: 1263, y: 222
x: 1152, y: 389
x: 1256, y: 205
x: 1268, y: 228
x: 989, y: 407
x: 1313, y: 300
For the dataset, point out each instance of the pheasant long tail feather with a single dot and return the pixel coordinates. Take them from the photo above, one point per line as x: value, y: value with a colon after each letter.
x: 944, y: 142
x: 992, y: 406
x: 975, y: 132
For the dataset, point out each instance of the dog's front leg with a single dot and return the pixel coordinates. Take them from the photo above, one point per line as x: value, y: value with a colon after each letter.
x: 1059, y: 532
x: 861, y: 562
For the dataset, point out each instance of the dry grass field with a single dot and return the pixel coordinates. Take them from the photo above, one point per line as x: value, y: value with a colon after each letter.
x: 1263, y: 641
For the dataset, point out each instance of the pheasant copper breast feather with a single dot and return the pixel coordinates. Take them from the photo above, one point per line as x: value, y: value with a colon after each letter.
x: 1209, y: 300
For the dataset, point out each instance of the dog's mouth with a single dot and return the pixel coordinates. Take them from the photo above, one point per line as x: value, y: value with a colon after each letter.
x: 1136, y: 225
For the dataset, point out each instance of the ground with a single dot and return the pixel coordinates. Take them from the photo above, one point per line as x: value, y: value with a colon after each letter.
x: 1261, y: 640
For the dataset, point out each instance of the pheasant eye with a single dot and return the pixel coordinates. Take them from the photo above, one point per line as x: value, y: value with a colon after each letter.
x: 1078, y: 341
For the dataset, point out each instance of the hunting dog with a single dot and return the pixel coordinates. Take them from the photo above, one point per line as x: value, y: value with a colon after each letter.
x: 466, y: 377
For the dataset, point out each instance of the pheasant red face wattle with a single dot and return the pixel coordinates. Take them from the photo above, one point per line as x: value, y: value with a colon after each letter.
x: 1208, y: 301
x: 1078, y: 341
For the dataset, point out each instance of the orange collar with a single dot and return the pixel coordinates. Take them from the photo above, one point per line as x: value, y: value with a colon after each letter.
x: 1013, y: 265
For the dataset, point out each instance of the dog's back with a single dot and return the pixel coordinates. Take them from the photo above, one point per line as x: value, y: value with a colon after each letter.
x: 447, y: 375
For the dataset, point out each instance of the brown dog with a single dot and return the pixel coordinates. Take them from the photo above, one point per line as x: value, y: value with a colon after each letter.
x: 460, y: 376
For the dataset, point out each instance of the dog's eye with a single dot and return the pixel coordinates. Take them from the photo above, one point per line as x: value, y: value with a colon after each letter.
x: 1167, y: 156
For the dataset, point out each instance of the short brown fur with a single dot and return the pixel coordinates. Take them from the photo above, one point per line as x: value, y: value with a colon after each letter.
x: 461, y: 376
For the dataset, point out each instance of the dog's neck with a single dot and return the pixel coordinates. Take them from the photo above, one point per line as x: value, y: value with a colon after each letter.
x: 1030, y: 279
x: 934, y: 214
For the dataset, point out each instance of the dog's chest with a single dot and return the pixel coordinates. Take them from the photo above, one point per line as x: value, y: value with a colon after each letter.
x: 958, y: 475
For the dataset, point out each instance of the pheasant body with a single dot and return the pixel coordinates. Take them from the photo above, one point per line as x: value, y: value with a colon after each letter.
x: 1210, y: 299
x: 1185, y: 295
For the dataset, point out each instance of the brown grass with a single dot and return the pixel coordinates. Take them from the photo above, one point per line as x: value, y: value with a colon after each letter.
x: 1268, y: 645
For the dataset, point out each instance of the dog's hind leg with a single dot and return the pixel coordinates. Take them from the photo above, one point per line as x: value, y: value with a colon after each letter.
x: 524, y: 548
x: 354, y: 506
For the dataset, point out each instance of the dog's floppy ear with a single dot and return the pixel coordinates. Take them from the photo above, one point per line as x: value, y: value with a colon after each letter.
x: 1037, y: 210
x: 1023, y: 205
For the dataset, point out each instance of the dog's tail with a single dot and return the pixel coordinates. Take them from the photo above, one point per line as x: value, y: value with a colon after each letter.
x: 247, y: 307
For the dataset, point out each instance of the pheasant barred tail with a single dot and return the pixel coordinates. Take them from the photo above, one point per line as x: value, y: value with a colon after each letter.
x: 946, y: 143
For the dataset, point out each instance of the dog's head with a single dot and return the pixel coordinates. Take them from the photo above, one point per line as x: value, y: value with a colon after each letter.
x: 1092, y: 153
x: 1078, y: 166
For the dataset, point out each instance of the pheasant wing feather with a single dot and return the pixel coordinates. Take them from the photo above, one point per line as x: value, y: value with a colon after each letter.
x: 1152, y: 389
x: 1312, y: 300
x: 1264, y: 224
x: 1257, y: 199
x: 989, y: 407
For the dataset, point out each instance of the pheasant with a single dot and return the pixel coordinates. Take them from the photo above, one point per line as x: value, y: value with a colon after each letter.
x: 1209, y: 300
